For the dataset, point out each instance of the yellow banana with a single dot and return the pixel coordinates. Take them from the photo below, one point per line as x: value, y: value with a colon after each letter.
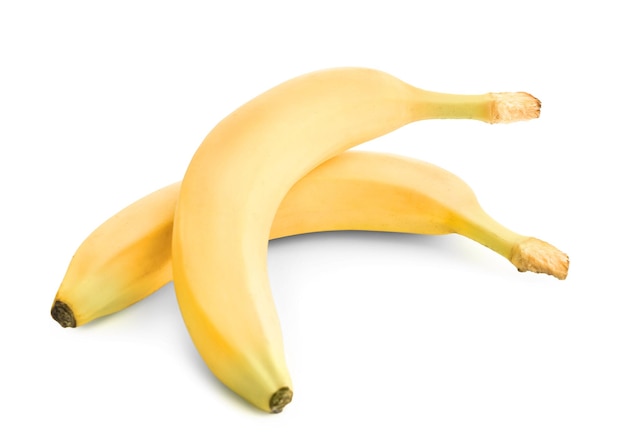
x: 128, y: 257
x: 249, y: 161
x: 122, y: 261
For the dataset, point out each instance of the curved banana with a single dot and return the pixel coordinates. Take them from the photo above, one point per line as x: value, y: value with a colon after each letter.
x: 249, y: 161
x: 128, y: 257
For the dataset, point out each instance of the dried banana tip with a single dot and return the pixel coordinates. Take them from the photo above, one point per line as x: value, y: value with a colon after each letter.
x: 538, y: 256
x: 63, y: 314
x: 280, y: 399
x: 511, y: 107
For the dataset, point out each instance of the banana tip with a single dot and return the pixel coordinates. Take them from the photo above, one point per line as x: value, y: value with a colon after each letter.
x: 511, y: 107
x: 63, y: 314
x: 538, y: 256
x: 280, y: 399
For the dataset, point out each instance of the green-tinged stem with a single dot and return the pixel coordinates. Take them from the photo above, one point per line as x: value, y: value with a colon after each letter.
x: 488, y: 232
x: 502, y: 107
x: 525, y: 253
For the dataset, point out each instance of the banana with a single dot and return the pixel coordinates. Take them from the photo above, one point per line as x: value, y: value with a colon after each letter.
x: 128, y: 257
x: 122, y: 261
x: 249, y: 161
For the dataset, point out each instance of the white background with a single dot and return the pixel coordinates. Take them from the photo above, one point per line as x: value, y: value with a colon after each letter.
x: 393, y: 337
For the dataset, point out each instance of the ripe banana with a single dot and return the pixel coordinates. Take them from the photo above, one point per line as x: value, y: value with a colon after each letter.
x: 122, y: 261
x: 128, y: 257
x: 249, y: 161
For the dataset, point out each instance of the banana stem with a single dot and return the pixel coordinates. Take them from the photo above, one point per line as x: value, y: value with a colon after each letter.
x: 532, y: 254
x: 500, y: 107
x: 525, y: 253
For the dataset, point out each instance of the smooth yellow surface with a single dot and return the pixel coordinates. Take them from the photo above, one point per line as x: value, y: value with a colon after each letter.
x: 122, y: 261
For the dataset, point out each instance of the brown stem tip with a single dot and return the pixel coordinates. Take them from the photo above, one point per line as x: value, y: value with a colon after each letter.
x: 538, y: 256
x: 63, y: 314
x: 511, y: 107
x: 280, y: 399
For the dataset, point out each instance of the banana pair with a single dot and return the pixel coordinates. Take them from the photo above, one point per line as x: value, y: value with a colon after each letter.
x: 276, y: 167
